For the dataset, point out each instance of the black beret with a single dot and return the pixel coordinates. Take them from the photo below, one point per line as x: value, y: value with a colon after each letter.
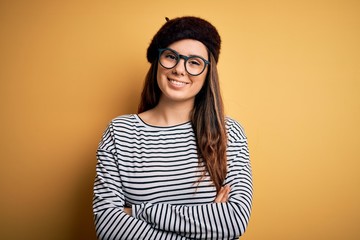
x: 187, y: 27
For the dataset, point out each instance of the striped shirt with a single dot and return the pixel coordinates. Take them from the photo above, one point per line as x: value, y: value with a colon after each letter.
x: 155, y: 170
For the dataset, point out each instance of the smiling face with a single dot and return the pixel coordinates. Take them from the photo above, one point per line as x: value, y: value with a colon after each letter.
x: 176, y: 84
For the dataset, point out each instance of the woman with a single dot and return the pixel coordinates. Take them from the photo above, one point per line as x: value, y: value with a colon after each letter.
x: 178, y: 169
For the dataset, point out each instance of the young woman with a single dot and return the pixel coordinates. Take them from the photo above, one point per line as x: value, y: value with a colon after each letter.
x: 179, y: 169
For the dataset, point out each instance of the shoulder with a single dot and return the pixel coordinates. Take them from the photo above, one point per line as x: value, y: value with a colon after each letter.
x: 123, y: 123
x: 124, y: 119
x: 234, y: 130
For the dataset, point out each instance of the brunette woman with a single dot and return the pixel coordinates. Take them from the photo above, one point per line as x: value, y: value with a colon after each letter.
x: 179, y: 169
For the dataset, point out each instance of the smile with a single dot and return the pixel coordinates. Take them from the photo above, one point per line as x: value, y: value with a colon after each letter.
x: 177, y: 83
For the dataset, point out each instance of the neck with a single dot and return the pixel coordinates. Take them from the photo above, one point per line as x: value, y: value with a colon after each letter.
x: 168, y: 113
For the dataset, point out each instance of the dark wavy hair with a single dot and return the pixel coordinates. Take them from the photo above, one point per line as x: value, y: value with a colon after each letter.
x: 207, y: 119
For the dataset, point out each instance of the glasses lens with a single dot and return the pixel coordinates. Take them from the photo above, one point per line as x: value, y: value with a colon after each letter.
x: 195, y: 65
x: 168, y: 58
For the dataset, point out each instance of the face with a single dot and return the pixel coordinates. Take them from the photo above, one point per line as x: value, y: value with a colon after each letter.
x: 176, y: 84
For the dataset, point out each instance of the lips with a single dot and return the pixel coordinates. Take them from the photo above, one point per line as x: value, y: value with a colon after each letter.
x: 177, y: 83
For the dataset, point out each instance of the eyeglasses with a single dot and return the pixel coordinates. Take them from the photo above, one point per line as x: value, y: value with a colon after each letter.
x: 194, y: 65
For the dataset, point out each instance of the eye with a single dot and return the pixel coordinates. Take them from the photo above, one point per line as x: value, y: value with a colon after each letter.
x: 170, y: 56
x: 195, y: 61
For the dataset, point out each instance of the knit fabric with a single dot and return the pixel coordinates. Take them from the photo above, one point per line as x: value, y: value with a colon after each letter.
x: 185, y: 28
x: 155, y: 170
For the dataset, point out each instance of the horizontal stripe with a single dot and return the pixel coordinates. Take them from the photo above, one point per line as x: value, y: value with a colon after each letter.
x: 156, y: 170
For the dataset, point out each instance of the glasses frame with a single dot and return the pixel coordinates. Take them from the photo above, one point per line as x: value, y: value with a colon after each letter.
x: 186, y: 58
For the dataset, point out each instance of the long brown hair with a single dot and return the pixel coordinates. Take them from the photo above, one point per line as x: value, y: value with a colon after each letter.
x: 207, y: 119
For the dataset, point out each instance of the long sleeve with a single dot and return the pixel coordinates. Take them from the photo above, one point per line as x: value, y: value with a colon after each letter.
x: 155, y: 170
x: 214, y: 220
x: 111, y: 221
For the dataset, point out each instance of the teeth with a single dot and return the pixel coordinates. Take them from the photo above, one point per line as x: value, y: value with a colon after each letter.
x: 177, y: 83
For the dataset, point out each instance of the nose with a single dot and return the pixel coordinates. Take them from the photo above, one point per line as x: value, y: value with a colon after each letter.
x: 180, y: 67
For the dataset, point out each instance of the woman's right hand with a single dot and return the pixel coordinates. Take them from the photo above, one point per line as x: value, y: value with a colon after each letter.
x: 128, y: 211
x: 222, y: 195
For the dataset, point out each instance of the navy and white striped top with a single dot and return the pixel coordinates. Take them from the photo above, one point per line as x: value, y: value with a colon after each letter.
x: 155, y: 170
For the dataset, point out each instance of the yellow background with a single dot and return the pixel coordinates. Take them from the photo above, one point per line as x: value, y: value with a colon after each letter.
x: 290, y: 73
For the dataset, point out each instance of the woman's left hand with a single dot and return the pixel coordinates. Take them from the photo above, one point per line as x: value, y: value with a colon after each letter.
x: 223, y: 195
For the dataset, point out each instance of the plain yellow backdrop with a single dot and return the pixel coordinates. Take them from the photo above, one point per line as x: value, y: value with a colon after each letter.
x: 289, y: 70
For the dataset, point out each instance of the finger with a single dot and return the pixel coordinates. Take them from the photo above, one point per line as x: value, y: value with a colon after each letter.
x: 225, y: 194
x: 220, y: 195
x: 128, y: 211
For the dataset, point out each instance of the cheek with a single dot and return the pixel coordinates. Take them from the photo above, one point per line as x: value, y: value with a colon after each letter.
x: 161, y: 72
x: 161, y: 78
x: 201, y: 79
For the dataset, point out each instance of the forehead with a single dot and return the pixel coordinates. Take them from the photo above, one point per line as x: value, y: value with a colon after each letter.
x: 190, y: 47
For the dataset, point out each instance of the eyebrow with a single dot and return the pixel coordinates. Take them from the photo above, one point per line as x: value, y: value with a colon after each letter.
x: 192, y: 55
